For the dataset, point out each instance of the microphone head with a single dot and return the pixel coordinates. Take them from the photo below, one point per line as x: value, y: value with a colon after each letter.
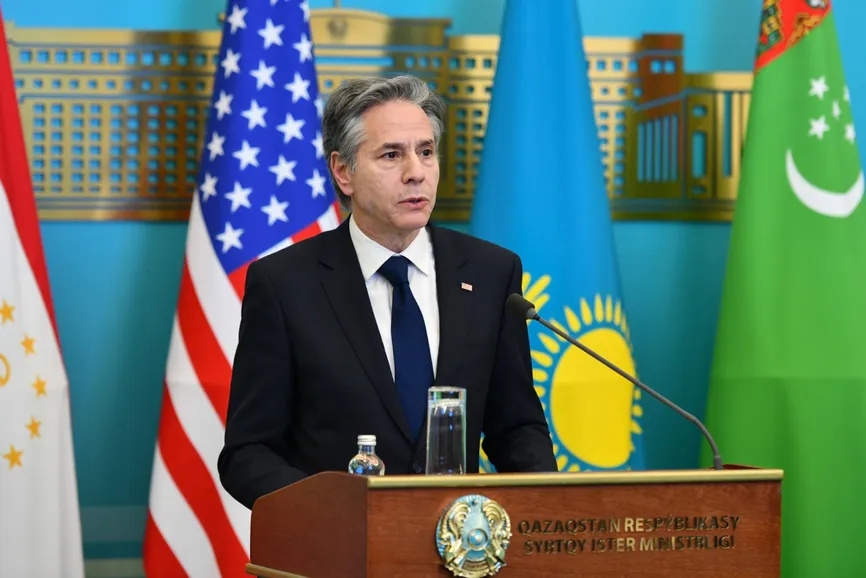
x: 518, y: 305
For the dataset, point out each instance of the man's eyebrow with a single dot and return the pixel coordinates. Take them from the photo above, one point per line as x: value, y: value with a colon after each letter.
x: 399, y: 146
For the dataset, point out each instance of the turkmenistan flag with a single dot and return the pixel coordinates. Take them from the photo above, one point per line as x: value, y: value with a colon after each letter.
x: 788, y: 385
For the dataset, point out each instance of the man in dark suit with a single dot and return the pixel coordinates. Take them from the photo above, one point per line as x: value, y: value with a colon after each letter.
x: 342, y: 334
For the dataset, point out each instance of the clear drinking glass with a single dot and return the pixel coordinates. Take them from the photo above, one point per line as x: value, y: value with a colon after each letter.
x: 446, y: 430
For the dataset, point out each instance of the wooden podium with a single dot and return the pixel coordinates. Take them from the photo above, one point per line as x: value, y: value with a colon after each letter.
x: 694, y: 523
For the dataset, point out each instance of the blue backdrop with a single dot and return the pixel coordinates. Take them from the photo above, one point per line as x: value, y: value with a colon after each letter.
x: 115, y: 284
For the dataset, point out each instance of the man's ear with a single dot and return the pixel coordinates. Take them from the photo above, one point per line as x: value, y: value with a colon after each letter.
x: 341, y: 171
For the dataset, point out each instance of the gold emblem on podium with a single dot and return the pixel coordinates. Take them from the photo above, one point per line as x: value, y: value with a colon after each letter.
x: 472, y: 536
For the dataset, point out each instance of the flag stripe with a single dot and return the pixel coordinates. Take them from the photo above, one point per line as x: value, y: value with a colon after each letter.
x: 159, y: 560
x: 14, y: 173
x: 262, y: 186
x: 238, y: 279
x: 178, y: 525
x: 310, y: 230
x: 203, y: 427
x: 40, y: 525
x: 198, y: 489
x: 330, y: 218
x: 212, y: 368
x: 220, y: 302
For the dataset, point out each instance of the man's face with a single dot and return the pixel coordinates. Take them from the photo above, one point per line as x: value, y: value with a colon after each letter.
x: 393, y: 189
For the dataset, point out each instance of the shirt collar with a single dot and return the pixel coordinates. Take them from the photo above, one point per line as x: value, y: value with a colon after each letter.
x: 372, y: 255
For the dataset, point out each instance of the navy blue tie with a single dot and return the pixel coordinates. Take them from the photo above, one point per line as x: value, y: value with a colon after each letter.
x: 413, y: 368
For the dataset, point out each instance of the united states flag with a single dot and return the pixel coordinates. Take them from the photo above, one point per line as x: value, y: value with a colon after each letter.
x: 263, y: 185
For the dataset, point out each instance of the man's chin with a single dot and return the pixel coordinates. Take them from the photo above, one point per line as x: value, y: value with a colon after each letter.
x: 415, y: 218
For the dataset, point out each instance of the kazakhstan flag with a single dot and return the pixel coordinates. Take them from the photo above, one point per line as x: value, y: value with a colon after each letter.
x: 541, y: 192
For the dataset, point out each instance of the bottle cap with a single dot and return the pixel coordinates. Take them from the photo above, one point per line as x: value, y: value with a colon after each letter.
x: 366, y: 440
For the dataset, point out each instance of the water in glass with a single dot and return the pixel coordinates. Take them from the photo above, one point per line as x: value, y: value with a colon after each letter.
x: 446, y: 430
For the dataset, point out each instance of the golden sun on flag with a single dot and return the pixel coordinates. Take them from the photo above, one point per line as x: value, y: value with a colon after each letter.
x: 593, y: 413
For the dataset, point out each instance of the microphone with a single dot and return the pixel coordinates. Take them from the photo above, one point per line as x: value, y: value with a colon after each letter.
x: 518, y: 305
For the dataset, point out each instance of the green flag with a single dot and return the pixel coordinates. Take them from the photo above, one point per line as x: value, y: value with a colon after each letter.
x: 788, y: 384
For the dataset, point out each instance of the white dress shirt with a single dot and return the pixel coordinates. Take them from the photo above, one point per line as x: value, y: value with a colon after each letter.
x: 422, y: 282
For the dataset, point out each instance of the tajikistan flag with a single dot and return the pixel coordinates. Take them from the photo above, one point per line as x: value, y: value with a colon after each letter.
x: 40, y: 529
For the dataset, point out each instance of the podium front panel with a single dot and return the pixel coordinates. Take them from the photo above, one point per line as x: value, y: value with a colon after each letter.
x: 696, y: 524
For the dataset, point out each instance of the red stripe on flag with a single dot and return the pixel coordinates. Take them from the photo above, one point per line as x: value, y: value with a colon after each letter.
x: 338, y: 212
x: 158, y: 558
x: 310, y: 230
x: 201, y: 494
x: 205, y: 354
x: 238, y: 277
x: 238, y: 280
x: 15, y: 177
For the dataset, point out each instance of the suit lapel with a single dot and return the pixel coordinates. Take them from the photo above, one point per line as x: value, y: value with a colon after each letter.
x: 455, y: 304
x: 344, y: 285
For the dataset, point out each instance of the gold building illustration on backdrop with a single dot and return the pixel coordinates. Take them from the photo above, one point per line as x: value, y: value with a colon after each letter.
x: 114, y: 119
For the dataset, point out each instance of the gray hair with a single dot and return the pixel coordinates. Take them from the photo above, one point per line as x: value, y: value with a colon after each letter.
x: 342, y: 125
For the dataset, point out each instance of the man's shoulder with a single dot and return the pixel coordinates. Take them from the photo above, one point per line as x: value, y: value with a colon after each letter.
x: 302, y: 253
x: 471, y: 246
x: 309, y: 251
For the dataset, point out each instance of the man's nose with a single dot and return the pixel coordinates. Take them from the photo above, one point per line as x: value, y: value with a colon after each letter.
x: 413, y: 171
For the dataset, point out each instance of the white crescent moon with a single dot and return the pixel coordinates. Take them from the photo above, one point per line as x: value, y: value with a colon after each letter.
x: 827, y: 203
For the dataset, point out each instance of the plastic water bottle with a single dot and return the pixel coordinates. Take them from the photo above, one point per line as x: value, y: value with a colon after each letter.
x: 366, y: 462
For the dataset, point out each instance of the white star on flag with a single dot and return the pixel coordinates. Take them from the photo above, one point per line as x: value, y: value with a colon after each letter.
x: 283, y: 169
x: 839, y: 113
x: 40, y: 522
x: 208, y: 187
x: 264, y: 75
x: 231, y: 63
x: 304, y: 48
x: 271, y: 34
x: 276, y: 210
x: 298, y: 88
x: 223, y: 106
x: 240, y: 197
x: 261, y: 187
x: 819, y: 87
x: 230, y: 238
x: 317, y: 183
x: 236, y: 18
x: 291, y: 128
x: 215, y: 146
x: 247, y: 155
x: 255, y: 114
x: 819, y: 127
x: 319, y: 144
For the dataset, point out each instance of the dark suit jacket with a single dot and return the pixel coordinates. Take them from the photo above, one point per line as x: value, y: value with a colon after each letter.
x: 310, y: 373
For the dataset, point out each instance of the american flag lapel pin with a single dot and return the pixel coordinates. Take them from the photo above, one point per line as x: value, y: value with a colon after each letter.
x: 466, y: 286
